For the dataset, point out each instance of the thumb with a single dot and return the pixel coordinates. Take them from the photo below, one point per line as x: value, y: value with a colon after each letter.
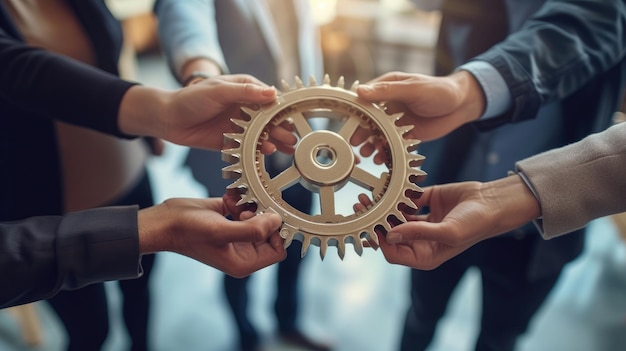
x: 249, y: 93
x: 419, y: 230
x: 385, y: 91
x: 255, y: 229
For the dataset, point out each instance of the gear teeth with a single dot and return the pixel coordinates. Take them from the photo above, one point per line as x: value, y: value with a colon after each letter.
x: 411, y: 144
x: 354, y: 85
x: 358, y: 246
x: 247, y: 110
x: 299, y: 83
x: 231, y: 155
x: 236, y: 137
x: 415, y: 160
x: 312, y: 81
x: 410, y: 203
x: 396, y: 116
x: 341, y: 249
x: 285, y: 85
x: 233, y: 171
x: 240, y: 122
x: 306, y: 242
x: 326, y: 80
x: 237, y: 184
x: 285, y: 234
x: 403, y: 130
x: 323, y: 248
x: 246, y: 198
x: 341, y: 82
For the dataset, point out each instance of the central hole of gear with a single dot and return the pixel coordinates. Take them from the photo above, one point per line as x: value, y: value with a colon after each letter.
x: 325, y: 156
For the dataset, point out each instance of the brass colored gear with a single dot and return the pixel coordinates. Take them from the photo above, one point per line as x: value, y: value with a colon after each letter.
x: 324, y: 162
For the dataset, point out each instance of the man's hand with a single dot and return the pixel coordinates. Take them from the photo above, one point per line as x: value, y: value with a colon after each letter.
x: 196, y: 115
x: 461, y: 215
x: 435, y: 106
x: 198, y: 228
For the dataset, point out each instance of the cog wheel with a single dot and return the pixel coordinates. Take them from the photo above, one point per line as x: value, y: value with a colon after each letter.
x: 324, y: 162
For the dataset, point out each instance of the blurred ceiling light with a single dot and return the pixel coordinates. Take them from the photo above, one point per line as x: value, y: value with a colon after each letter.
x: 323, y: 11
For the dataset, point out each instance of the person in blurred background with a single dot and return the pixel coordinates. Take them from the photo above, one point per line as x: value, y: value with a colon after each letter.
x: 554, y: 70
x: 271, y: 40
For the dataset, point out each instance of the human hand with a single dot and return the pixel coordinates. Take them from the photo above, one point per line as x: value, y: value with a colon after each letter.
x: 461, y: 215
x: 199, y: 229
x: 197, y: 115
x: 434, y: 105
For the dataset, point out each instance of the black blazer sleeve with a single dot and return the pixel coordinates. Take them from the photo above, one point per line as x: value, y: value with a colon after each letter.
x: 559, y: 49
x: 59, y: 88
x: 41, y: 255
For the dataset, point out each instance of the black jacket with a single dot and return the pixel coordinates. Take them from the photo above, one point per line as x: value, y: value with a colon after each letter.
x: 39, y: 257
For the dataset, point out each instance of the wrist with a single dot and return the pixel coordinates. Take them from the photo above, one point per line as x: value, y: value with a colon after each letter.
x: 196, y: 77
x: 152, y: 226
x: 142, y: 112
x: 513, y: 202
x: 198, y: 69
x: 473, y: 99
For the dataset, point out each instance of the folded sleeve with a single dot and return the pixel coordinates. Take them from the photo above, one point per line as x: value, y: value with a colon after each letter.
x: 41, y: 255
x: 579, y: 182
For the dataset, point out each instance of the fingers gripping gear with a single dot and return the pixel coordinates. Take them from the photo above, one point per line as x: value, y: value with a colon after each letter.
x: 324, y: 162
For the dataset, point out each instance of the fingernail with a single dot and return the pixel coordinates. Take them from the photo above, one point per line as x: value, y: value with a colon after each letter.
x: 365, y: 89
x: 276, y: 241
x: 394, y: 238
x: 268, y: 91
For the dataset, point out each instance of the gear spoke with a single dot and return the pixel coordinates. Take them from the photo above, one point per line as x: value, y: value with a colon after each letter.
x: 301, y: 124
x: 285, y: 179
x: 349, y: 128
x: 364, y: 178
x: 327, y: 201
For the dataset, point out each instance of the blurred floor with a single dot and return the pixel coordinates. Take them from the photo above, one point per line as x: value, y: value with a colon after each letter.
x: 358, y: 303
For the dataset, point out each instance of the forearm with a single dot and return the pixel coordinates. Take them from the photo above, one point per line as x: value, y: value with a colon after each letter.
x: 42, y: 255
x: 59, y: 88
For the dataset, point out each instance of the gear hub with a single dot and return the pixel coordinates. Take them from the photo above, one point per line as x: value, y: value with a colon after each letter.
x: 323, y: 119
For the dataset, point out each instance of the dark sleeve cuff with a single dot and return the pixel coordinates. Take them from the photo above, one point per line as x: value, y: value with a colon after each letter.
x: 98, y: 245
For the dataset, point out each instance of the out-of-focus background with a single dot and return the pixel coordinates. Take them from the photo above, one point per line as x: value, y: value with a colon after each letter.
x: 358, y: 303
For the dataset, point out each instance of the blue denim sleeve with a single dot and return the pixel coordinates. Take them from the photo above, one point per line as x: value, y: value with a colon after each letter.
x: 188, y: 30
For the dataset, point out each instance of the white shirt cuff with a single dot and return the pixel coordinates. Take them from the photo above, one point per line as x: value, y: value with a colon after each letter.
x: 497, y: 93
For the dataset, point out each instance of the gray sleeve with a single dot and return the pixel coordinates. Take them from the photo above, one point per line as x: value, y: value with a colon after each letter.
x: 41, y: 255
x: 579, y: 182
x: 188, y: 30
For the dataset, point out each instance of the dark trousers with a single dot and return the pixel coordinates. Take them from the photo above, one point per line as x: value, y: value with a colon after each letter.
x: 509, y: 297
x: 286, y: 304
x: 84, y: 312
x: 206, y: 168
